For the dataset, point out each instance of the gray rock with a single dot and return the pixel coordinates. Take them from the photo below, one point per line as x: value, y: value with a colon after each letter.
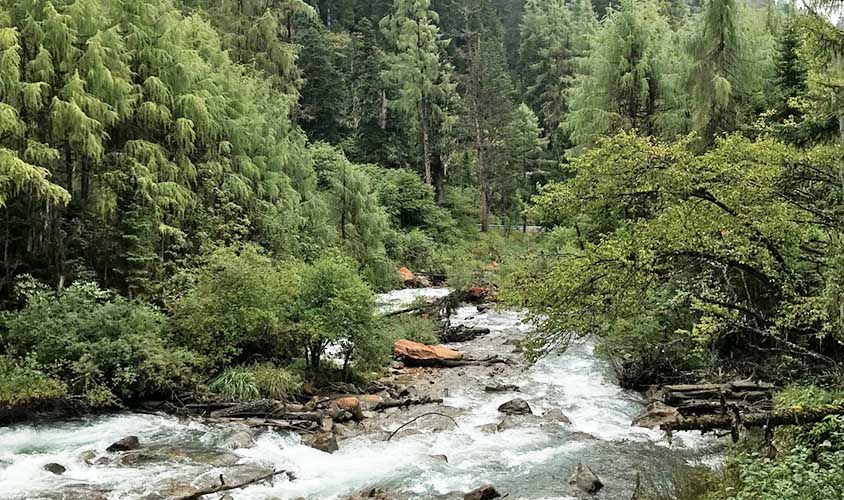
x: 516, y: 406
x: 126, y: 444
x: 585, y: 479
x: 483, y: 493
x: 517, y: 421
x: 238, y: 439
x: 441, y: 458
x: 88, y: 457
x: 55, y: 468
x: 556, y: 415
x: 488, y: 428
x: 657, y: 414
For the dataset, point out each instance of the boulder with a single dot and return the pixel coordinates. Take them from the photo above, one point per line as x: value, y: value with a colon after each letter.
x: 499, y: 387
x: 441, y: 458
x: 556, y: 415
x: 227, y: 497
x: 483, y: 493
x: 656, y: 414
x: 351, y: 405
x: 482, y: 308
x: 238, y: 439
x: 416, y: 353
x: 584, y: 478
x: 55, y: 468
x: 323, y: 441
x: 516, y: 421
x: 406, y: 274
x: 128, y: 443
x: 516, y: 406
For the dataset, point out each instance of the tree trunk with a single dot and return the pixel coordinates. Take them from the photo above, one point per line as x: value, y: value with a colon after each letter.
x: 426, y: 145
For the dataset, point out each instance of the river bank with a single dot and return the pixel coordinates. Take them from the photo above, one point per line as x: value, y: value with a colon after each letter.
x: 527, y: 457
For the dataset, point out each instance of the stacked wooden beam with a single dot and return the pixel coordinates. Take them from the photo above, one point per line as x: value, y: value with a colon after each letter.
x: 712, y: 399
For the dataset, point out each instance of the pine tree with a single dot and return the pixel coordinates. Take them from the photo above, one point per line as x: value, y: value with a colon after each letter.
x: 324, y: 101
x: 423, y: 78
x: 718, y: 54
x: 525, y: 148
x: 626, y: 80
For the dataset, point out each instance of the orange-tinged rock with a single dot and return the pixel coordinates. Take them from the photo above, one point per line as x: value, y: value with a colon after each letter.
x: 427, y: 354
x: 351, y: 404
x: 406, y: 274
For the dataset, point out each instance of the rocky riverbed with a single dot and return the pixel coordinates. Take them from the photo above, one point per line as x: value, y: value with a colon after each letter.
x: 567, y: 411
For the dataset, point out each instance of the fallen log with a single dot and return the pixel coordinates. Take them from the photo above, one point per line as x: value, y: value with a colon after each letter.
x: 757, y: 420
x: 402, y: 403
x: 225, y: 487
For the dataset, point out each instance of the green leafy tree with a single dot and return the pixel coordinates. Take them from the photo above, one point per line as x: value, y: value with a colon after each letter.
x: 333, y: 306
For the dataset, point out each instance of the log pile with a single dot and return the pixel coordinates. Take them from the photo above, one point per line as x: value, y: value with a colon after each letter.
x: 712, y: 399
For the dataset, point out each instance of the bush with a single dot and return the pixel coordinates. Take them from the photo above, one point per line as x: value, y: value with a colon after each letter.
x: 236, y: 308
x: 259, y: 381
x: 276, y: 383
x: 20, y: 385
x: 95, y: 342
x: 239, y: 384
x: 415, y: 328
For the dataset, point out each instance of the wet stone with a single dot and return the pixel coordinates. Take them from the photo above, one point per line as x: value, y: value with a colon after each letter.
x: 55, y: 468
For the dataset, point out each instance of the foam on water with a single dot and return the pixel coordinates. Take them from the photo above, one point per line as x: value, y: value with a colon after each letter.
x: 531, y: 462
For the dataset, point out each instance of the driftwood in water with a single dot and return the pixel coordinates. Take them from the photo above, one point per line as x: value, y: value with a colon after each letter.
x: 757, y: 420
x: 225, y: 487
x: 489, y: 361
x: 403, y: 403
x: 463, y: 333
x: 420, y: 416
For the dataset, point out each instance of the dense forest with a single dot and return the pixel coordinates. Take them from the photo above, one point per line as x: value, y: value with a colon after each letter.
x: 204, y: 196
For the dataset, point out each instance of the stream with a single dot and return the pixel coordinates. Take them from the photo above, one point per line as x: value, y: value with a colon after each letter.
x: 530, y: 461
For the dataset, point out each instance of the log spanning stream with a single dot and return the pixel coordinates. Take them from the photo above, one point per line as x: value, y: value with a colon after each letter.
x: 531, y: 460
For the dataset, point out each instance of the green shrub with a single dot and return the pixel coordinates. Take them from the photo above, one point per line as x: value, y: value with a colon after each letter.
x: 239, y: 384
x: 94, y: 340
x: 236, y: 307
x: 276, y: 383
x: 21, y: 385
x: 415, y: 328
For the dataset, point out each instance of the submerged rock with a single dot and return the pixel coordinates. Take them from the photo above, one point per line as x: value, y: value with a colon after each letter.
x: 584, y: 478
x: 239, y: 439
x: 128, y: 443
x: 556, y: 415
x: 375, y: 494
x: 323, y: 441
x: 483, y: 493
x: 516, y: 406
x: 55, y: 468
x: 657, y: 414
x: 441, y: 458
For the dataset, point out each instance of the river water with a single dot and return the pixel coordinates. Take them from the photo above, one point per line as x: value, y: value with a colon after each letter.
x: 531, y: 461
